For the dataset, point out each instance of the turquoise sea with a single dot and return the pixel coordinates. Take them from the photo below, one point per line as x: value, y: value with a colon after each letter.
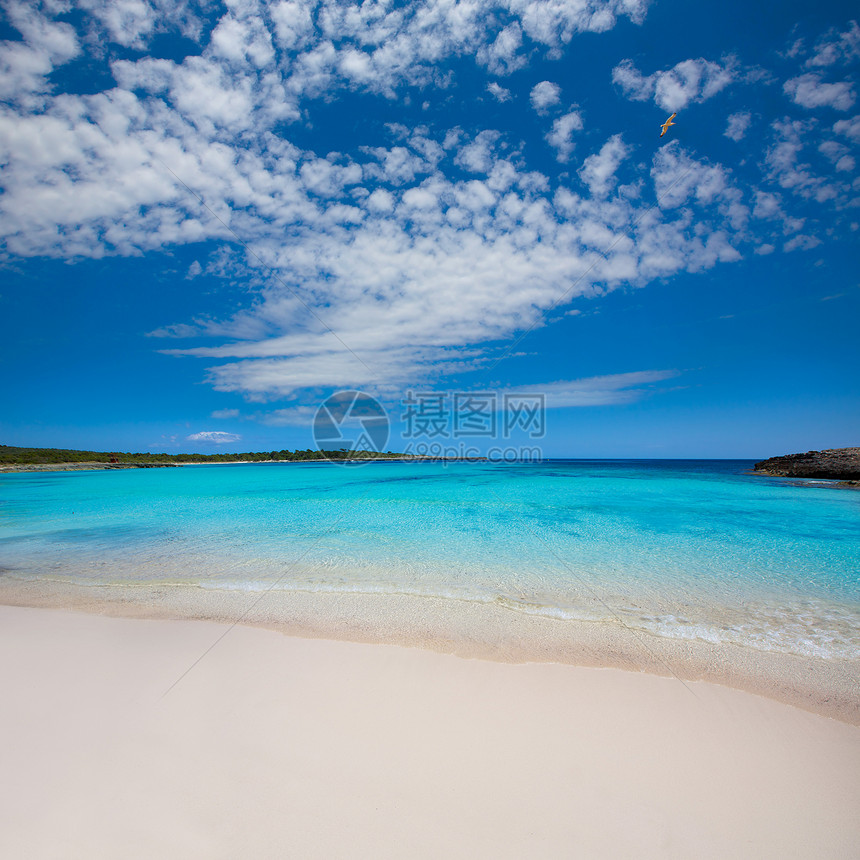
x: 691, y: 549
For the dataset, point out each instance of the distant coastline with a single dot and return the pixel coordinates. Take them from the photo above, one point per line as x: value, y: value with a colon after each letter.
x: 71, y: 457
x: 14, y: 459
x: 104, y: 467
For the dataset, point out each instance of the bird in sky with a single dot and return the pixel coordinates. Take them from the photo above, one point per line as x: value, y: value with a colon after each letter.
x: 666, y: 124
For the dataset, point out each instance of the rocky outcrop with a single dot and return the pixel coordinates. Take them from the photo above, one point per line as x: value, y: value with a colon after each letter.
x: 841, y: 464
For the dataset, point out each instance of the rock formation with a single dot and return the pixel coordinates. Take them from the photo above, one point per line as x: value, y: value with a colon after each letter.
x: 842, y: 464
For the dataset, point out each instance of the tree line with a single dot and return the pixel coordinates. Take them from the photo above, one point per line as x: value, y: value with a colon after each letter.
x: 35, y: 456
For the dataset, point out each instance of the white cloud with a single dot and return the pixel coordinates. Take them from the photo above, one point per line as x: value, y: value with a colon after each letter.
x: 598, y: 170
x: 215, y: 437
x: 389, y: 249
x: 503, y: 56
x: 737, y: 125
x: 325, y: 45
x: 411, y: 296
x: 675, y: 88
x: 25, y: 65
x: 420, y: 198
x: 478, y: 156
x: 849, y: 128
x: 132, y: 23
x: 397, y: 165
x: 380, y: 201
x: 835, y: 47
x: 294, y: 25
x: 801, y: 242
x: 433, y: 267
x: 544, y: 96
x: 678, y: 179
x: 498, y: 92
x: 791, y: 158
x: 768, y: 205
x: 810, y: 92
x: 129, y: 22
x: 561, y: 136
x: 225, y: 413
x: 832, y: 150
x: 386, y: 46
x: 323, y: 177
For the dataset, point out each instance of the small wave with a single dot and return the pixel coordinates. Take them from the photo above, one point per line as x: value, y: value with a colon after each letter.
x: 808, y: 628
x: 824, y: 634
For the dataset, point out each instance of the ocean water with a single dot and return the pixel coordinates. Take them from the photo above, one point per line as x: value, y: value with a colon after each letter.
x: 689, y: 549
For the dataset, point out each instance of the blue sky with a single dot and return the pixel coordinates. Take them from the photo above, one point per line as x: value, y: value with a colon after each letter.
x: 213, y: 216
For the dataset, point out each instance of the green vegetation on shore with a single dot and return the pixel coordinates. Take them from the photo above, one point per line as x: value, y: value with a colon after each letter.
x: 43, y: 456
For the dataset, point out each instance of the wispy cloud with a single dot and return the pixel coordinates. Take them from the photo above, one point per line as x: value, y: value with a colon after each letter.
x: 612, y: 390
x: 798, y: 161
x: 214, y: 437
x: 609, y: 390
x: 836, y: 48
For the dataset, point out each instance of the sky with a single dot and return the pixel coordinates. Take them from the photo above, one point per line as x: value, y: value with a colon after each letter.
x: 214, y: 216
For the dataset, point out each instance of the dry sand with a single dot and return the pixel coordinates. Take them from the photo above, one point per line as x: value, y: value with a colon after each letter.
x: 276, y: 746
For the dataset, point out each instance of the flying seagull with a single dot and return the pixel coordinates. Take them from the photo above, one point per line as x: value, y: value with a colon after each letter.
x: 666, y: 124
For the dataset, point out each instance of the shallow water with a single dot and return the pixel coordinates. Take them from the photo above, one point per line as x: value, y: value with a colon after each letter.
x: 685, y: 549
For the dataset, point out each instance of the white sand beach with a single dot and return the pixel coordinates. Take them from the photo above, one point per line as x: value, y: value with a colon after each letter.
x: 279, y: 746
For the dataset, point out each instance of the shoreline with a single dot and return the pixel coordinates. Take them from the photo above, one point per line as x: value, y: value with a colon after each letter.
x: 12, y: 468
x: 491, y: 631
x: 815, y: 483
x: 145, y: 738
